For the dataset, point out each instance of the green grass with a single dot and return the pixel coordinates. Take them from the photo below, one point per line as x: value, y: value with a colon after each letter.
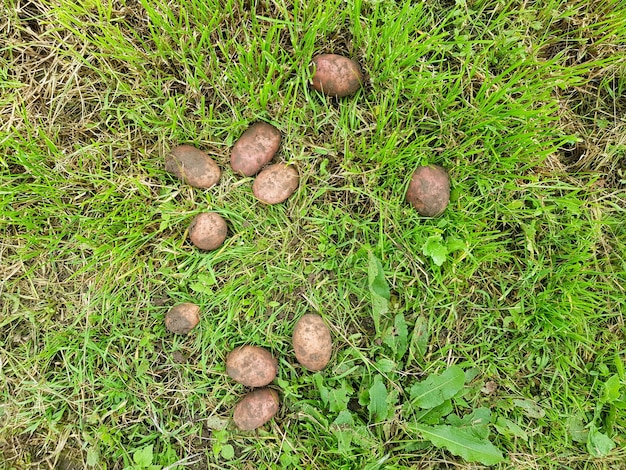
x: 523, y: 103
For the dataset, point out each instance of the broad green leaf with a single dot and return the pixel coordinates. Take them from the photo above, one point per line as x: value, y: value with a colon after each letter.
x: 338, y: 399
x: 603, y: 369
x: 402, y: 335
x: 93, y: 456
x: 598, y: 444
x: 419, y: 339
x: 318, y: 379
x: 142, y: 367
x: 477, y: 422
x: 385, y: 365
x: 228, y: 452
x: 342, y: 429
x: 619, y: 366
x: 576, y: 429
x: 379, y: 309
x: 286, y: 460
x: 379, y: 290
x: 431, y: 415
x: 221, y: 436
x: 314, y: 415
x: 378, y: 399
x: 434, y: 415
x: 611, y: 391
x: 610, y: 418
x: 377, y: 283
x: 343, y: 419
x: 471, y: 373
x: 363, y: 437
x: 461, y: 442
x: 506, y: 427
x: 620, y: 404
x: 531, y: 409
x: 436, y: 249
x: 344, y: 441
x: 143, y: 457
x: 214, y: 422
x: 454, y: 244
x: 436, y: 389
x: 203, y: 283
x: 364, y: 397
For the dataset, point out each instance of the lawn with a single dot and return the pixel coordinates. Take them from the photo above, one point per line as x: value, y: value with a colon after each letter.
x: 492, y: 335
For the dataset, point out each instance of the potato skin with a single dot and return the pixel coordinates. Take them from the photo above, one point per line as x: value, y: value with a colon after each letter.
x: 182, y: 318
x: 429, y: 190
x: 276, y: 183
x: 255, y: 148
x: 193, y: 166
x: 208, y: 231
x: 251, y: 366
x: 336, y: 75
x: 256, y: 409
x: 312, y: 342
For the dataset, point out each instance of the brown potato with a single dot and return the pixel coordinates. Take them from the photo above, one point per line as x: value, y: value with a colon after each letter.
x: 256, y: 409
x: 251, y: 366
x: 182, y: 318
x: 336, y: 75
x: 193, y: 166
x: 255, y: 148
x: 276, y: 183
x: 208, y: 231
x: 429, y: 190
x: 312, y: 342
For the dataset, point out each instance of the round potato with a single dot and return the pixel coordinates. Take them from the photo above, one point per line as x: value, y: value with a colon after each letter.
x: 182, y: 318
x: 256, y: 409
x: 276, y: 183
x: 312, y: 342
x: 429, y: 190
x: 208, y: 231
x: 193, y: 166
x: 255, y: 148
x: 336, y: 75
x: 251, y: 366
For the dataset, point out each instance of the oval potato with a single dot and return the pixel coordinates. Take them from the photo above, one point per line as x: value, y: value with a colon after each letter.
x: 256, y: 409
x: 336, y: 75
x: 182, y: 318
x: 429, y: 190
x: 208, y: 231
x: 193, y: 166
x: 312, y: 342
x: 255, y: 148
x: 276, y: 183
x: 251, y: 366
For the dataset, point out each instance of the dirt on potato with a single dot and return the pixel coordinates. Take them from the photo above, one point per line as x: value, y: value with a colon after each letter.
x: 208, y: 231
x: 251, y: 366
x: 276, y: 183
x: 182, y: 318
x: 255, y: 149
x: 336, y: 75
x: 193, y: 166
x: 429, y: 190
x: 312, y: 342
x: 256, y: 409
